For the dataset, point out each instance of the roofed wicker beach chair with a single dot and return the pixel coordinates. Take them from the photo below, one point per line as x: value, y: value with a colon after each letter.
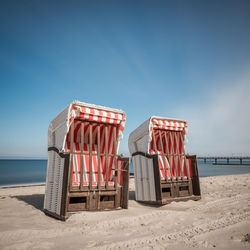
x: 84, y: 170
x: 163, y: 172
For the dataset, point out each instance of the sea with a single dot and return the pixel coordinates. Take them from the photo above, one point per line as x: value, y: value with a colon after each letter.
x: 33, y: 172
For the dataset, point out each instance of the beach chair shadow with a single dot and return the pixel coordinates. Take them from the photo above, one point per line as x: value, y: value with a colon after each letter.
x: 35, y: 200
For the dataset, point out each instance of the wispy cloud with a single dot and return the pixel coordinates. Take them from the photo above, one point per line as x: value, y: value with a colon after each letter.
x: 219, y: 125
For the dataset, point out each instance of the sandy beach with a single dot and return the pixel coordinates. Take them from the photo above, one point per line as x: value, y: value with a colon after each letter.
x: 221, y: 219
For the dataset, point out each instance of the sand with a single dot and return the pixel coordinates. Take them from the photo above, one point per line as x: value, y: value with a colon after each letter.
x: 221, y: 219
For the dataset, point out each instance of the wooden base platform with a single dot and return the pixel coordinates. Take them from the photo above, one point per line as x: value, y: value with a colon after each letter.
x: 96, y: 200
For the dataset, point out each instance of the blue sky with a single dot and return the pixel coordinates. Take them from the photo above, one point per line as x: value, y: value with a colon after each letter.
x: 183, y: 59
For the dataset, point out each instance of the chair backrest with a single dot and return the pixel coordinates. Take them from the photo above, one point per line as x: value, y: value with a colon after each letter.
x: 169, y: 145
x: 94, y: 143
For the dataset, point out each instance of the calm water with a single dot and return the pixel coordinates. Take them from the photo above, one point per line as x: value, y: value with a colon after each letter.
x: 17, y: 172
x: 209, y: 169
x: 22, y: 172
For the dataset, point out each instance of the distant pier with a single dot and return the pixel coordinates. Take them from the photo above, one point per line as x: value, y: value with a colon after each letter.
x: 239, y: 160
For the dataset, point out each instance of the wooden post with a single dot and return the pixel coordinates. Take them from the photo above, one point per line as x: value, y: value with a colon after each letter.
x: 167, y: 149
x: 195, y: 176
x: 71, y: 152
x: 165, y: 163
x: 125, y: 181
x: 125, y: 177
x: 106, y: 156
x: 64, y: 201
x: 90, y: 156
x: 81, y: 148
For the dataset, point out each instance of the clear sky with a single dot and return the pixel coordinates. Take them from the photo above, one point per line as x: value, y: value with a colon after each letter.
x: 182, y: 59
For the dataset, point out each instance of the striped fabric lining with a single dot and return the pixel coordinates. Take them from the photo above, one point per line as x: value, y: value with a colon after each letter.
x: 85, y: 181
x: 76, y: 156
x: 170, y: 156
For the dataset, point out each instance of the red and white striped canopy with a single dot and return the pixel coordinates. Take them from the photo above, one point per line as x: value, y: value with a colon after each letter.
x: 98, y: 115
x: 168, y: 124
